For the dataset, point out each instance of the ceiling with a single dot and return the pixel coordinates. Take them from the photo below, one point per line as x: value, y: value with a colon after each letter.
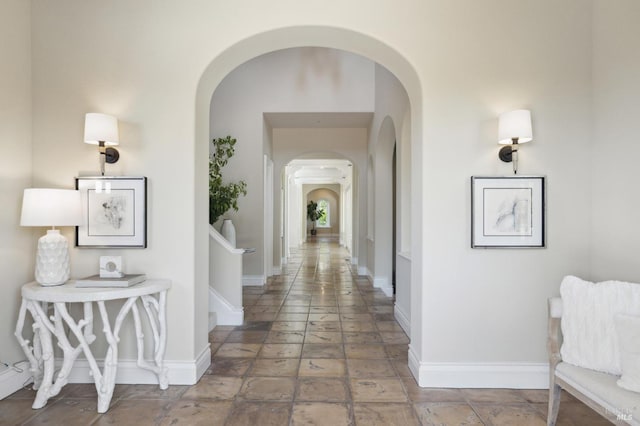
x: 320, y: 171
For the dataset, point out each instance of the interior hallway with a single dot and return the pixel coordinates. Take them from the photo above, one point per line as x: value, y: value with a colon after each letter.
x: 319, y: 346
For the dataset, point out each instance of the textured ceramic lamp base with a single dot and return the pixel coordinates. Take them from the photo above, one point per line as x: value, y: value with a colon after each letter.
x: 52, y: 259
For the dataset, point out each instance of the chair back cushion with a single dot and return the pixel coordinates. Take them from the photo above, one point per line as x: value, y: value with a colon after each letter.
x: 588, y: 326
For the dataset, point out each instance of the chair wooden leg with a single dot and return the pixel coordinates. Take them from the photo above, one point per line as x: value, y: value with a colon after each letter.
x: 554, y: 404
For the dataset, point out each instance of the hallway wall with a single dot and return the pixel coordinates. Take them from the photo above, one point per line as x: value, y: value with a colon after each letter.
x: 18, y: 245
x: 331, y: 193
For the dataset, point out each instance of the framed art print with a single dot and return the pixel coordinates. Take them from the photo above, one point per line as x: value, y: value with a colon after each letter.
x: 114, y: 212
x: 507, y: 211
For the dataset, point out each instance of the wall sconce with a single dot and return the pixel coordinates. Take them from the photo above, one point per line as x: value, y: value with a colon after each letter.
x: 102, y: 130
x: 514, y: 128
x: 51, y: 207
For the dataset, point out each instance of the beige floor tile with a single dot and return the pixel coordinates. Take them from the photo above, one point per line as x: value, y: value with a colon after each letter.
x: 135, y: 412
x: 68, y: 412
x: 319, y: 367
x: 238, y: 350
x: 322, y: 389
x: 575, y: 414
x: 291, y: 317
x: 294, y: 309
x: 332, y: 326
x: 416, y: 393
x: 319, y: 413
x: 289, y: 326
x: 388, y: 326
x: 447, y: 413
x: 214, y: 387
x: 285, y: 337
x: 504, y: 396
x: 15, y: 411
x: 315, y: 350
x: 268, y: 389
x: 229, y: 366
x: 324, y: 317
x: 147, y: 392
x: 197, y: 413
x: 358, y: 326
x: 259, y: 413
x: 325, y: 337
x: 361, y: 351
x: 356, y: 337
x: 399, y: 352
x: 383, y: 414
x: 280, y: 350
x: 246, y: 336
x: 393, y: 337
x: 362, y: 368
x: 356, y: 317
x: 278, y: 367
x: 377, y: 390
x: 507, y: 415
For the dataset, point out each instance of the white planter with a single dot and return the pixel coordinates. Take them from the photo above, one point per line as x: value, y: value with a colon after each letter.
x: 228, y: 231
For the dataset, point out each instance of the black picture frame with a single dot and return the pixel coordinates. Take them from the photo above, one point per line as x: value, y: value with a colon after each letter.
x: 508, y: 212
x: 114, y: 212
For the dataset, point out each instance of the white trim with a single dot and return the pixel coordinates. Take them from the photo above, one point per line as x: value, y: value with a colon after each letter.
x: 405, y: 255
x: 402, y: 319
x: 363, y: 271
x: 226, y: 313
x: 179, y: 372
x: 479, y: 375
x: 213, y: 233
x: 11, y: 380
x: 354, y: 260
x: 253, y: 280
x: 383, y: 284
x: 276, y: 270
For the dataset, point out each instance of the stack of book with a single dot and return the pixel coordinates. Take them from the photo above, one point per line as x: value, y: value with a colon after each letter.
x: 126, y: 281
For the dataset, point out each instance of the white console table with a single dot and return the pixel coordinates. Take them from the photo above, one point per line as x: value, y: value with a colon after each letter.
x: 149, y: 296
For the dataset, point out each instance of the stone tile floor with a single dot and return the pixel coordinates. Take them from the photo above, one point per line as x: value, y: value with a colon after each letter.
x: 318, y: 347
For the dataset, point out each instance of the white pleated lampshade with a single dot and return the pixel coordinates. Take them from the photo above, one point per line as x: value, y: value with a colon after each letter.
x: 101, y: 128
x: 515, y: 124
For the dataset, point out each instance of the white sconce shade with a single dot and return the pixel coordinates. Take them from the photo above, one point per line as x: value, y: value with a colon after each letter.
x: 515, y: 125
x: 101, y: 128
x: 51, y: 207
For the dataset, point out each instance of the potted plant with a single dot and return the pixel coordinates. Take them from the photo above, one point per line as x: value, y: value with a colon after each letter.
x: 314, y: 213
x: 222, y: 197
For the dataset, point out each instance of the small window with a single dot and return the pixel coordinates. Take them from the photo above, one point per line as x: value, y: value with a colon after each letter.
x: 325, y: 220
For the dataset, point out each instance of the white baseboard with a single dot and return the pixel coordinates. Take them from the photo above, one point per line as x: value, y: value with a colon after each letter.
x: 253, y: 280
x: 354, y: 260
x: 12, y: 380
x: 383, y: 284
x: 403, y: 319
x: 479, y: 375
x: 277, y: 270
x: 363, y: 271
x: 226, y: 313
x: 179, y: 372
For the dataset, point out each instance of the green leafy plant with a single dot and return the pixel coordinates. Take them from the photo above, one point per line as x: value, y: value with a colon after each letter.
x: 222, y: 197
x: 314, y: 213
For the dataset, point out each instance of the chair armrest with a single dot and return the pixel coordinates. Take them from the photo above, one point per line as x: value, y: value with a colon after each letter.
x: 553, y: 332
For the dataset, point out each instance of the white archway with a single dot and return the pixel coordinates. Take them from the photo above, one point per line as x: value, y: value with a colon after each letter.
x: 300, y: 36
x: 383, y: 232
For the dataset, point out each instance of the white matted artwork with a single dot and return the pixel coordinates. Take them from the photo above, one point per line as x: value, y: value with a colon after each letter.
x: 114, y: 210
x: 507, y: 211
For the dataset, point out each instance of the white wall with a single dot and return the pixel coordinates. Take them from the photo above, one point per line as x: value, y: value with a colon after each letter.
x: 307, y: 79
x: 616, y: 109
x: 489, y: 306
x: 18, y: 245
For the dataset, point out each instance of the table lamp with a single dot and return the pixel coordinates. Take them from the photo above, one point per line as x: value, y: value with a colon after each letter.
x: 51, y: 207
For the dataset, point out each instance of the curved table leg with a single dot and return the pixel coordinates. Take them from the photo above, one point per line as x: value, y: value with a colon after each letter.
x: 43, y: 328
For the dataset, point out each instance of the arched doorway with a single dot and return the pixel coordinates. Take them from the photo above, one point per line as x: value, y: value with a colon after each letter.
x: 283, y: 38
